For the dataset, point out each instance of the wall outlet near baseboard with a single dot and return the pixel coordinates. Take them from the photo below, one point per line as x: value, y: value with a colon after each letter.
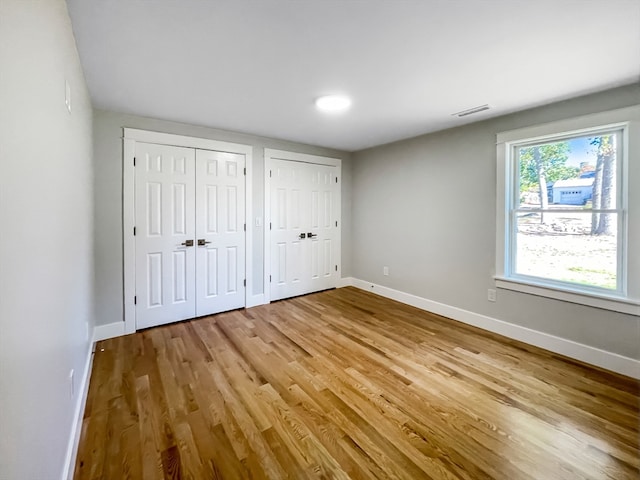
x: 491, y: 295
x: 385, y: 271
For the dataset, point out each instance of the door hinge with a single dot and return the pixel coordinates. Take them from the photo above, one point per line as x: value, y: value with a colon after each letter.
x: 336, y: 223
x: 134, y: 231
x: 245, y: 282
x: 245, y: 227
x: 336, y: 179
x: 245, y: 170
x: 269, y: 225
x: 270, y: 173
x: 336, y: 268
x: 134, y: 161
x: 269, y: 278
x: 135, y: 300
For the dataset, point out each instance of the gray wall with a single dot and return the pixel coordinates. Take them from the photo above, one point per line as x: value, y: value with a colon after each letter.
x: 426, y: 207
x: 108, y: 199
x: 46, y: 210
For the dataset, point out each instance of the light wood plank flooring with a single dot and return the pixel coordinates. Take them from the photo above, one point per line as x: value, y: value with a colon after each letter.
x: 346, y: 384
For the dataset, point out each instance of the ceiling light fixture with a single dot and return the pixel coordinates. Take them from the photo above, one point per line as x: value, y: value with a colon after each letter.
x: 333, y: 103
x: 471, y: 111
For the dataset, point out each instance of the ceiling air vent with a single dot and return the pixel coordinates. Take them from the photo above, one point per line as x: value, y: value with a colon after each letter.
x: 471, y: 111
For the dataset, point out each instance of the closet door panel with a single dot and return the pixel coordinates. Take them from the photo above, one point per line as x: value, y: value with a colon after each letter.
x: 165, y: 223
x: 220, y: 231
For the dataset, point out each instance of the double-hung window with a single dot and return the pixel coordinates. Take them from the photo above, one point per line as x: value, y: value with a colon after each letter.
x: 568, y: 213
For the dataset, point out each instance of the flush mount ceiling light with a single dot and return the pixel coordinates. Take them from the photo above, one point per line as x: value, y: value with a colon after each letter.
x: 333, y: 103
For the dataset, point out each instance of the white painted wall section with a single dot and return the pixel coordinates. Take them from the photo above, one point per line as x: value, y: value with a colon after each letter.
x: 46, y: 239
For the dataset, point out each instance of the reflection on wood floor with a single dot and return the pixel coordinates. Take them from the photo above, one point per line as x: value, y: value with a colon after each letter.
x: 347, y: 384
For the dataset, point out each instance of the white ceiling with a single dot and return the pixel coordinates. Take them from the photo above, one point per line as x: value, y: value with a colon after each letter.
x: 256, y: 66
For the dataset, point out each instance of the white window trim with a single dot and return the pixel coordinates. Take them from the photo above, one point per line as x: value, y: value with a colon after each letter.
x: 628, y: 302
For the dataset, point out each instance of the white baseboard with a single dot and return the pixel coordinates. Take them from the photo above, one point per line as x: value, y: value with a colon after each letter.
x: 345, y: 282
x: 76, y: 427
x: 110, y: 330
x: 584, y: 353
x: 255, y: 300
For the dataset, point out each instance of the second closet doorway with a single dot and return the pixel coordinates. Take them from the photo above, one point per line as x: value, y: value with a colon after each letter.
x: 302, y: 245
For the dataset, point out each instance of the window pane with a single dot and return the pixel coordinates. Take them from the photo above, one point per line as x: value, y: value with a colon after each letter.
x: 561, y: 246
x: 573, y: 172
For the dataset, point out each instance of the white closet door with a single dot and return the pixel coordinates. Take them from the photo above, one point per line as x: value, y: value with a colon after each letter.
x: 303, y: 228
x: 322, y: 226
x: 220, y: 232
x: 165, y: 231
x: 289, y: 224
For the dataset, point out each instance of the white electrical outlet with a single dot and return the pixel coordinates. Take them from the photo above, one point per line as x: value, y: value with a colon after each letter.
x: 71, y: 384
x: 385, y: 270
x: 491, y: 295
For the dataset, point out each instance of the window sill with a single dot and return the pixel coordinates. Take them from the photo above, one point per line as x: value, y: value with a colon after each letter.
x: 603, y: 301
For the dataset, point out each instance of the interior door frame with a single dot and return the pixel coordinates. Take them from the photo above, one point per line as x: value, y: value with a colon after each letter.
x: 270, y: 155
x: 129, y: 139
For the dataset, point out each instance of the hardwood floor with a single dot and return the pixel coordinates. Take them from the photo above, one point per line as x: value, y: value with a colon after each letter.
x: 346, y: 384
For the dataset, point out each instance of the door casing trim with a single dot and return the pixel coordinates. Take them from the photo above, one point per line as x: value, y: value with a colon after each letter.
x: 129, y: 139
x: 270, y: 155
